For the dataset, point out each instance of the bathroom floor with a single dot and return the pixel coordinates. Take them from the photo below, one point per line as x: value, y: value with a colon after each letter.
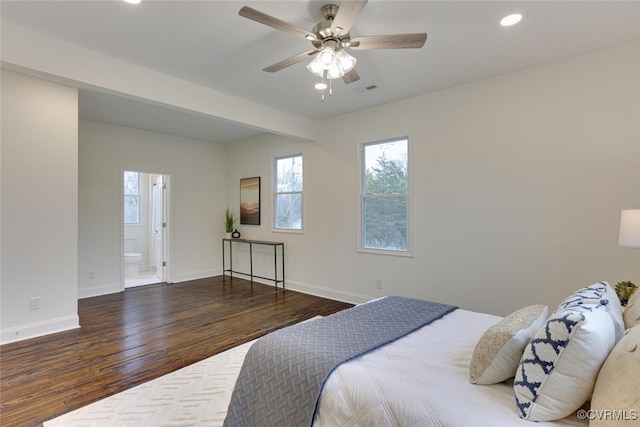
x: 144, y: 278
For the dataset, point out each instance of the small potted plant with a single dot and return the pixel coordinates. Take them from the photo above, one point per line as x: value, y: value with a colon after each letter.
x: 229, y: 222
x: 624, y: 291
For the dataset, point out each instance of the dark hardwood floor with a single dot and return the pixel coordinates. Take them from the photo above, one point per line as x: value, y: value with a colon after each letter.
x: 134, y: 336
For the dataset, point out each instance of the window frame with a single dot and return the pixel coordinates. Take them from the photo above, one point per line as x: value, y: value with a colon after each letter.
x: 276, y: 193
x: 408, y: 252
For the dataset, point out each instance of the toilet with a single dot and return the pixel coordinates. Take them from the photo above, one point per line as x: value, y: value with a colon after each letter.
x: 131, y: 258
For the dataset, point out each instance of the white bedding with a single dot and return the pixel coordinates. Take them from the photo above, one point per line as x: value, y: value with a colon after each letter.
x: 422, y: 379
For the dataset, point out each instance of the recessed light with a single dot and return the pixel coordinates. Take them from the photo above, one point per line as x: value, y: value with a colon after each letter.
x: 133, y: 1
x: 510, y: 20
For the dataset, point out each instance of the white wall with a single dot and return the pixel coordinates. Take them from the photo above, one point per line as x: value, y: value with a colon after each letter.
x: 518, y: 185
x: 39, y: 206
x: 197, y: 199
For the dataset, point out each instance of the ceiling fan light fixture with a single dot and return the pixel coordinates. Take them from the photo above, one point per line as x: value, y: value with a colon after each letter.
x: 331, y: 64
x: 320, y: 86
x: 345, y: 61
x: 327, y: 56
x: 316, y: 67
x: 334, y: 71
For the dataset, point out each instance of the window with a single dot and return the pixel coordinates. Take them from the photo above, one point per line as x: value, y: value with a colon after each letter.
x: 384, y: 196
x: 288, y: 193
x: 131, y: 197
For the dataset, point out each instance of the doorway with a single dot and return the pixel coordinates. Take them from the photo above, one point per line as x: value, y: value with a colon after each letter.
x: 144, y: 237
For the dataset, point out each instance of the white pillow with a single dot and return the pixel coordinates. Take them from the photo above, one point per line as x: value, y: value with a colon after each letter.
x: 500, y: 348
x: 631, y: 313
x: 599, y: 294
x: 617, y: 389
x: 559, y: 366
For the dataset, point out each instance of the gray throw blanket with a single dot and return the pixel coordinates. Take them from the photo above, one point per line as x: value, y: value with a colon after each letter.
x: 283, y: 373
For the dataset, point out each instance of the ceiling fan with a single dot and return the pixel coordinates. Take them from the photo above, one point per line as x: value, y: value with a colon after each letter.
x: 330, y: 38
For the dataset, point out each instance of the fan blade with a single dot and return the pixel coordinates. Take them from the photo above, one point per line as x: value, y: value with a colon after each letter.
x: 390, y: 41
x: 289, y: 61
x: 346, y: 16
x: 276, y: 23
x: 351, y: 76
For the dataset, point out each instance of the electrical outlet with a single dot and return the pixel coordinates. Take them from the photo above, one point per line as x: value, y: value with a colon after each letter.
x: 34, y: 303
x: 379, y: 283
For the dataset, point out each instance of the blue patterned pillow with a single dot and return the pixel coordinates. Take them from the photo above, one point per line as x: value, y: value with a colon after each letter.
x: 599, y: 294
x: 558, y: 369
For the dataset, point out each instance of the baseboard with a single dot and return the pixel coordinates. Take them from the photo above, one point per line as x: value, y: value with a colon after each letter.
x: 39, y: 329
x: 334, y: 294
x: 99, y: 290
x: 305, y: 288
x: 319, y: 291
x: 178, y: 278
x: 116, y: 287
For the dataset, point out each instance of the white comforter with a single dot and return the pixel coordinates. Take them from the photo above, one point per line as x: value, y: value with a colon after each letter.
x: 422, y: 379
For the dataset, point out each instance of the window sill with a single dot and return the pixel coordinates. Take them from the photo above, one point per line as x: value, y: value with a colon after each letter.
x: 406, y: 254
x: 286, y: 230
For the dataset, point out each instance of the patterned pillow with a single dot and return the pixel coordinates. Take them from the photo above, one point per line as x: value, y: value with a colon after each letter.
x: 559, y: 366
x: 631, y: 314
x: 500, y: 348
x: 599, y: 294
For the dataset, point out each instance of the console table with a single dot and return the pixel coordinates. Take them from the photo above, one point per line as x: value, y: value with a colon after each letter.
x: 249, y: 242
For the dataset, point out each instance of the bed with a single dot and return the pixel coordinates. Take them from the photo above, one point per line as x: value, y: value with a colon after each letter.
x: 408, y: 383
x: 422, y: 378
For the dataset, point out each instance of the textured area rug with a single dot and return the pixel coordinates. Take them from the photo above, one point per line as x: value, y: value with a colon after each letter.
x: 196, y: 395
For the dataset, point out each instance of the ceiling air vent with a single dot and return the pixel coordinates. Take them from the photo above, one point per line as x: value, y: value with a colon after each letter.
x: 364, y: 89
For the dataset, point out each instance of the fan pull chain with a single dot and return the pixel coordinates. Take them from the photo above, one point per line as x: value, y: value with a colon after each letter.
x: 324, y: 85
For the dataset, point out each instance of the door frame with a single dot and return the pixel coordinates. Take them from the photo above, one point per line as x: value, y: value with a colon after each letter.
x: 167, y: 219
x: 162, y: 254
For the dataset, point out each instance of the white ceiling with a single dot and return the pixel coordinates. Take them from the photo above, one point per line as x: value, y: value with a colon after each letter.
x: 208, y: 43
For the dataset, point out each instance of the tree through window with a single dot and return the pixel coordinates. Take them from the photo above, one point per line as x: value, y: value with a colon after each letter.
x: 385, y: 195
x: 288, y: 193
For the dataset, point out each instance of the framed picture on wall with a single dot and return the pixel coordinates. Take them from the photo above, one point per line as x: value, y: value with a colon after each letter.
x: 250, y: 201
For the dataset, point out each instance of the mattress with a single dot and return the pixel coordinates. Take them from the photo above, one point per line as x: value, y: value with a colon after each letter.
x: 422, y: 379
